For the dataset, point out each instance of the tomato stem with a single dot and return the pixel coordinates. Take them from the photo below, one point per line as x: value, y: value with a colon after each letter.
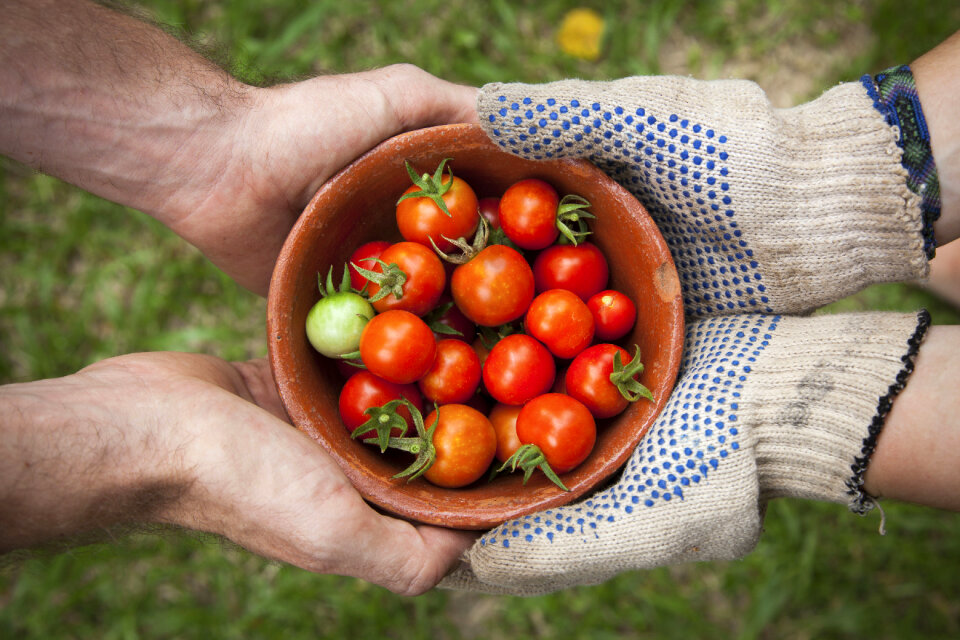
x: 572, y: 213
x: 469, y: 251
x: 383, y: 420
x: 327, y: 287
x: 432, y: 187
x: 390, y: 279
x: 529, y: 457
x: 624, y: 377
x: 420, y: 445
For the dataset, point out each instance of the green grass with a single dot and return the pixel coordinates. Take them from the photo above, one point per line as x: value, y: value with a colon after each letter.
x: 82, y: 279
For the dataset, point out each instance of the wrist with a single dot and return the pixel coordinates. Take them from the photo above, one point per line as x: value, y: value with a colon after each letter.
x: 113, y: 105
x: 81, y: 454
x: 819, y: 397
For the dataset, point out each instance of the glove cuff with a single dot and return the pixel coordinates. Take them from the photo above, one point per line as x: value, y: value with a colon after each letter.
x: 894, y: 95
x: 819, y: 398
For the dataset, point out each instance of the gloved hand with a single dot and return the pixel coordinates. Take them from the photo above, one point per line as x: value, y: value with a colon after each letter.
x: 766, y: 211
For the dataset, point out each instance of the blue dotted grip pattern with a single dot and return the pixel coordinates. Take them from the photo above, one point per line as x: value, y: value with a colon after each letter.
x: 677, y: 167
x: 696, y: 433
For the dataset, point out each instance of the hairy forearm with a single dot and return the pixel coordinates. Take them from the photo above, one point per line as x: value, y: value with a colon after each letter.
x: 112, y: 104
x: 71, y: 462
x: 937, y: 75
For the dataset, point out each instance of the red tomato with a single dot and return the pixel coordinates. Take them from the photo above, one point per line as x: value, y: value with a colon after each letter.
x: 503, y: 417
x: 346, y: 369
x: 364, y: 390
x: 365, y: 257
x: 425, y: 280
x: 481, y: 349
x: 581, y: 269
x: 561, y: 321
x: 420, y: 219
x: 451, y: 318
x: 465, y: 442
x: 528, y: 214
x: 398, y: 346
x: 517, y: 369
x: 490, y: 210
x: 561, y: 426
x: 588, y: 380
x: 493, y: 288
x: 614, y: 314
x: 454, y: 376
x: 480, y: 402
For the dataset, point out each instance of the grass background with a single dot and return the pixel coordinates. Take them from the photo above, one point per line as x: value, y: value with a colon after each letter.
x: 82, y: 279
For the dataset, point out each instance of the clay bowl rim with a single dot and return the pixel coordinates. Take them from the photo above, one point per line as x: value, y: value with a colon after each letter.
x: 469, y: 508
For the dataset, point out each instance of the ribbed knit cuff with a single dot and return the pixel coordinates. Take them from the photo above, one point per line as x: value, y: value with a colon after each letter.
x: 818, y: 400
x: 894, y: 94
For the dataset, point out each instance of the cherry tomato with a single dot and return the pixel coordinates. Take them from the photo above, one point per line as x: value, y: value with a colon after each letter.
x: 465, y: 442
x: 454, y: 376
x: 614, y: 314
x: 528, y: 214
x: 364, y: 390
x: 581, y: 269
x: 561, y: 321
x: 480, y: 402
x: 425, y: 278
x: 561, y: 426
x: 366, y: 257
x: 494, y: 287
x: 517, y: 369
x: 346, y: 369
x: 588, y: 380
x: 481, y: 349
x: 490, y: 210
x: 335, y: 323
x: 503, y: 417
x: 420, y: 219
x: 449, y: 317
x: 398, y: 346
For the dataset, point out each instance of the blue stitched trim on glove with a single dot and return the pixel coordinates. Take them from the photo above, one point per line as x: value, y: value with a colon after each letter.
x: 894, y: 94
x: 697, y: 431
x: 677, y: 167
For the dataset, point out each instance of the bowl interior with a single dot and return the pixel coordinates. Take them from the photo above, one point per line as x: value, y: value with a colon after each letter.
x: 357, y: 206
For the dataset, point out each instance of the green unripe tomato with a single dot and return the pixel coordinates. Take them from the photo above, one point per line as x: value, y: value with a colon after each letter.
x: 335, y: 323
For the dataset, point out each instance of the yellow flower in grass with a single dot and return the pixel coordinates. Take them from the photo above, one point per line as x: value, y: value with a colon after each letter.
x: 581, y: 33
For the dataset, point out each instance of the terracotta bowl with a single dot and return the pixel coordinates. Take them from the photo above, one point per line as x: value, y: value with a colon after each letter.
x: 356, y: 206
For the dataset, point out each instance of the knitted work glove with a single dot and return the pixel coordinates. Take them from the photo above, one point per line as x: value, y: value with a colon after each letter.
x: 765, y: 210
x: 765, y: 406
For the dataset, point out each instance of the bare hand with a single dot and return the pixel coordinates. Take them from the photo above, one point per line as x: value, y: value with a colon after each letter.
x: 199, y: 442
x: 290, y: 141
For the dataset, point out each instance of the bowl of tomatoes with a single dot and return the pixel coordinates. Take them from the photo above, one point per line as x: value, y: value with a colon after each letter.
x: 388, y: 368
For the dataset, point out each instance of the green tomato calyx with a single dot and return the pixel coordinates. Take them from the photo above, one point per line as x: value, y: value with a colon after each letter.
x: 529, y: 457
x: 432, y: 187
x: 572, y: 216
x: 420, y: 445
x: 390, y: 279
x: 468, y: 250
x: 624, y: 377
x: 383, y: 420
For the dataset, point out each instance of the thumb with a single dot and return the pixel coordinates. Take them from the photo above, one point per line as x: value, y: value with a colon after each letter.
x: 405, y: 87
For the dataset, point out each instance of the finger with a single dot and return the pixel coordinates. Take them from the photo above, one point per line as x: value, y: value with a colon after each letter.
x: 405, y: 558
x: 258, y: 379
